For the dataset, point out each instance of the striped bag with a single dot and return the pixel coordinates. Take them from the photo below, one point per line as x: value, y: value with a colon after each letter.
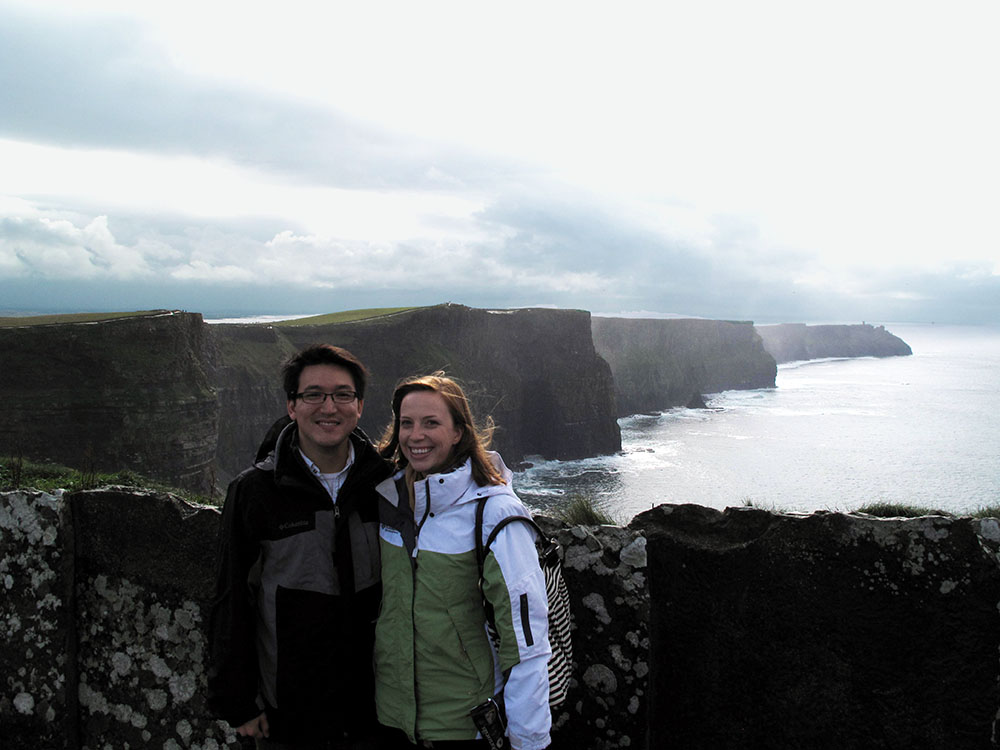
x: 550, y: 561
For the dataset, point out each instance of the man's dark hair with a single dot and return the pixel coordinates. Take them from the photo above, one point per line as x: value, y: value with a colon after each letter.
x: 322, y: 354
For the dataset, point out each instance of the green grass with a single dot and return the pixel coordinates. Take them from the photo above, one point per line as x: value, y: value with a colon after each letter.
x: 40, y: 320
x: 17, y: 473
x: 583, y: 511
x: 347, y: 316
x: 900, y: 510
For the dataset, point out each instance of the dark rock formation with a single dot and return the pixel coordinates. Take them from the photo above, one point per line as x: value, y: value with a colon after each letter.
x: 789, y: 342
x: 248, y: 384
x: 535, y: 371
x: 662, y: 363
x: 697, y: 401
x: 821, y: 631
x: 130, y: 393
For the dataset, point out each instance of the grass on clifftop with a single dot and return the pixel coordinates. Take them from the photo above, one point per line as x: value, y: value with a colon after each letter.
x: 583, y: 511
x: 41, y: 320
x: 17, y: 473
x: 347, y: 316
x: 900, y: 510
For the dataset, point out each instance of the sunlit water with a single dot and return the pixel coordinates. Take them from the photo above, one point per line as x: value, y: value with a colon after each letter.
x: 834, y: 434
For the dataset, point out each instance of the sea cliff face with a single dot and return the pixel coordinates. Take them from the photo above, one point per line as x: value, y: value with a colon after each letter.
x: 662, y: 363
x: 135, y: 393
x: 534, y: 371
x: 789, y: 342
x: 168, y: 396
x: 175, y: 399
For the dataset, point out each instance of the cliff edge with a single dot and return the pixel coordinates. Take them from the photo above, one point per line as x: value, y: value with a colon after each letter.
x: 789, y: 342
x: 132, y: 392
x: 658, y: 364
x: 535, y: 371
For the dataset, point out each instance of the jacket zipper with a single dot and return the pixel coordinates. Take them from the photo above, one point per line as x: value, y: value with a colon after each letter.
x: 413, y: 598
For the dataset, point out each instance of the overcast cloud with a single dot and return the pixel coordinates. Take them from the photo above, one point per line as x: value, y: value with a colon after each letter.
x: 832, y: 164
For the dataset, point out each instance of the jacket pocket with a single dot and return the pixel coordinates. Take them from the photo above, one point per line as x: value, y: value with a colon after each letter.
x: 474, y: 646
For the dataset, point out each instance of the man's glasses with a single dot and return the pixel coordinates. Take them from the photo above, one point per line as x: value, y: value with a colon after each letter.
x: 318, y: 397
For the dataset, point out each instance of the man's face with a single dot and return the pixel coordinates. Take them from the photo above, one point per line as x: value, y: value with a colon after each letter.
x: 325, y: 427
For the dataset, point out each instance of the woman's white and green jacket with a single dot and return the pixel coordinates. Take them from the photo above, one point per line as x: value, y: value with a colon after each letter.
x: 433, y: 658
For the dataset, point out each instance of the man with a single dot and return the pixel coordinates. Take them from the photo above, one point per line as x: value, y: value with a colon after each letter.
x: 298, y: 587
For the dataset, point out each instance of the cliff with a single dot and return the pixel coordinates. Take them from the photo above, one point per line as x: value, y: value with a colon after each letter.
x: 168, y: 396
x: 535, y: 371
x: 172, y: 398
x: 790, y: 342
x: 692, y: 628
x: 662, y: 363
x: 133, y: 392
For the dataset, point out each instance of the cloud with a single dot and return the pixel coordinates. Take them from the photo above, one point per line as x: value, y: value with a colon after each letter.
x: 511, y: 253
x: 703, y: 193
x: 57, y: 249
x: 85, y: 83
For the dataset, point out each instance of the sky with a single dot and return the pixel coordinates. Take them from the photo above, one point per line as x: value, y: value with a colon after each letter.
x: 768, y: 161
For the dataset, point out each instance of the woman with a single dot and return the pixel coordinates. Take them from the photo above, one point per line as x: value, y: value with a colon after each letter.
x: 434, y: 661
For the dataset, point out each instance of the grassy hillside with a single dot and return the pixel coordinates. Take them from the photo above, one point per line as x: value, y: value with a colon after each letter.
x: 17, y: 473
x: 346, y: 316
x: 42, y: 320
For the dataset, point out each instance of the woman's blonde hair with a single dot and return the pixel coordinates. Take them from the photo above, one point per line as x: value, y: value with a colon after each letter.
x: 474, y: 441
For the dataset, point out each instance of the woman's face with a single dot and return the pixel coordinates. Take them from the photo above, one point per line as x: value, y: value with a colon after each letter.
x: 427, y: 432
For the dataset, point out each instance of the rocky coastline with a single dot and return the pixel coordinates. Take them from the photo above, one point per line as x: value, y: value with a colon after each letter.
x: 170, y: 397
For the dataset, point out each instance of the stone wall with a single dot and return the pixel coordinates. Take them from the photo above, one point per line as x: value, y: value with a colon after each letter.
x: 693, y: 628
x: 104, y: 610
x: 104, y: 599
x: 822, y: 631
x: 38, y: 672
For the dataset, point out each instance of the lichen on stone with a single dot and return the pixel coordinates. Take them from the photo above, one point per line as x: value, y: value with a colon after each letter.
x: 24, y: 703
x: 600, y: 677
x: 595, y: 602
x: 634, y: 554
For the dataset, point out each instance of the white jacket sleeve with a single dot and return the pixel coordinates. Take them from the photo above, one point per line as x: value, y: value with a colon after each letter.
x: 515, y: 586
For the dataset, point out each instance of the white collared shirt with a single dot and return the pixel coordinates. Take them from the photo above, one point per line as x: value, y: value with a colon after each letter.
x: 332, y: 482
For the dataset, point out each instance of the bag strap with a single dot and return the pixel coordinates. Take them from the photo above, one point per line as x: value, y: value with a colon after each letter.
x: 482, y: 550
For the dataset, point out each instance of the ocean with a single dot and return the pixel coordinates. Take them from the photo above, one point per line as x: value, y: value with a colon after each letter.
x: 833, y: 434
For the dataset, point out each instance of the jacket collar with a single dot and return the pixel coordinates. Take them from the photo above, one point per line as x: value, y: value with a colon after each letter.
x: 448, y: 488
x: 285, y: 461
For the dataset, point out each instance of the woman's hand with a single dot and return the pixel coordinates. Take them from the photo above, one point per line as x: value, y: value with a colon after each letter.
x: 256, y: 728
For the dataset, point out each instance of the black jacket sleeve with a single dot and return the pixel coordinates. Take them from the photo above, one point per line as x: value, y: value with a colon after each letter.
x: 232, y: 672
